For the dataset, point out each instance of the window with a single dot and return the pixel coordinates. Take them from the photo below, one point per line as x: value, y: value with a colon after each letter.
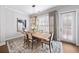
x: 43, y: 23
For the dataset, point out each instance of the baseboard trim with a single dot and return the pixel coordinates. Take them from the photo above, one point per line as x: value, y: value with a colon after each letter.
x: 68, y: 42
x: 2, y: 43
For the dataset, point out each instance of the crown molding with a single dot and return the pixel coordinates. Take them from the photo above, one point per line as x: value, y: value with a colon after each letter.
x: 15, y: 10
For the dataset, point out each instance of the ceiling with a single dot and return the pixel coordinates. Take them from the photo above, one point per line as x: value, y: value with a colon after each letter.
x: 28, y: 9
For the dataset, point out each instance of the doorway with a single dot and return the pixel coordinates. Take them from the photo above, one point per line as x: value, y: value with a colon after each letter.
x: 67, y: 23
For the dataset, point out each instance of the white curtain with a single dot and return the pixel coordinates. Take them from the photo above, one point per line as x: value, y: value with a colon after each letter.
x: 77, y: 25
x: 43, y: 23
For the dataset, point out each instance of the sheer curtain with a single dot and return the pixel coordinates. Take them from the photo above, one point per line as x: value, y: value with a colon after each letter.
x: 43, y: 23
x: 77, y: 25
x: 53, y: 23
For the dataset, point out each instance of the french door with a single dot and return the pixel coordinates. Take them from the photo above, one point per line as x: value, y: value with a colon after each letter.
x: 67, y: 26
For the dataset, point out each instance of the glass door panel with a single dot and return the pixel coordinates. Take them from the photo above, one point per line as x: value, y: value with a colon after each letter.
x: 67, y: 26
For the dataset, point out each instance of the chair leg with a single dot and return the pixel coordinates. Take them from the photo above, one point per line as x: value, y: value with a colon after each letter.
x: 42, y: 45
x: 37, y: 43
x: 50, y: 48
x: 51, y: 45
x: 32, y: 43
x: 25, y: 42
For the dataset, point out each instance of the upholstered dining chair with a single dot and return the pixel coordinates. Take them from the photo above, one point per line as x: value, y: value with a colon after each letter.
x: 48, y: 42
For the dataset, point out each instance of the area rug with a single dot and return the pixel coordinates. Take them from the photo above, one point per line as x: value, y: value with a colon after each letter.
x: 17, y: 46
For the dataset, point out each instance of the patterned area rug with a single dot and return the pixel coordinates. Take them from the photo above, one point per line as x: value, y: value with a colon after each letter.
x: 17, y: 46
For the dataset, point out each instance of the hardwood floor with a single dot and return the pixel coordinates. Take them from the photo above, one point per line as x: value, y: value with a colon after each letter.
x: 68, y: 48
x: 4, y: 49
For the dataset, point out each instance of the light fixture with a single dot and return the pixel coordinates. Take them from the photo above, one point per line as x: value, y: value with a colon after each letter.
x: 33, y: 6
x: 34, y: 18
x: 34, y: 9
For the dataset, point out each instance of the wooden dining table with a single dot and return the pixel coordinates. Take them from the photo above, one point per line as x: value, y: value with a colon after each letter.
x: 40, y: 35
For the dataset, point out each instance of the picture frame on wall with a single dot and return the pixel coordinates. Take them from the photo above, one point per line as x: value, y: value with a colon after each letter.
x: 21, y: 25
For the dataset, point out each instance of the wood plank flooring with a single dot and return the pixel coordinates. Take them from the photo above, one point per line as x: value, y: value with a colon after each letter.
x: 70, y: 48
x: 4, y: 49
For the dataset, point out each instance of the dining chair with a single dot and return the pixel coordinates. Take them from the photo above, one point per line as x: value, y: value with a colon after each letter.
x: 31, y: 39
x: 48, y: 42
x: 26, y: 41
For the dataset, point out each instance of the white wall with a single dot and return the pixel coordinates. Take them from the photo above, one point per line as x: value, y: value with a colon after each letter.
x: 8, y: 22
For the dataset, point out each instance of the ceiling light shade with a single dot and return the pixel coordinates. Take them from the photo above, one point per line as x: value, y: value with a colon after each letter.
x: 33, y: 5
x: 33, y: 9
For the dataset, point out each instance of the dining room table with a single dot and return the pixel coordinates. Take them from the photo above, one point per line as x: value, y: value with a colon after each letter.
x: 40, y: 35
